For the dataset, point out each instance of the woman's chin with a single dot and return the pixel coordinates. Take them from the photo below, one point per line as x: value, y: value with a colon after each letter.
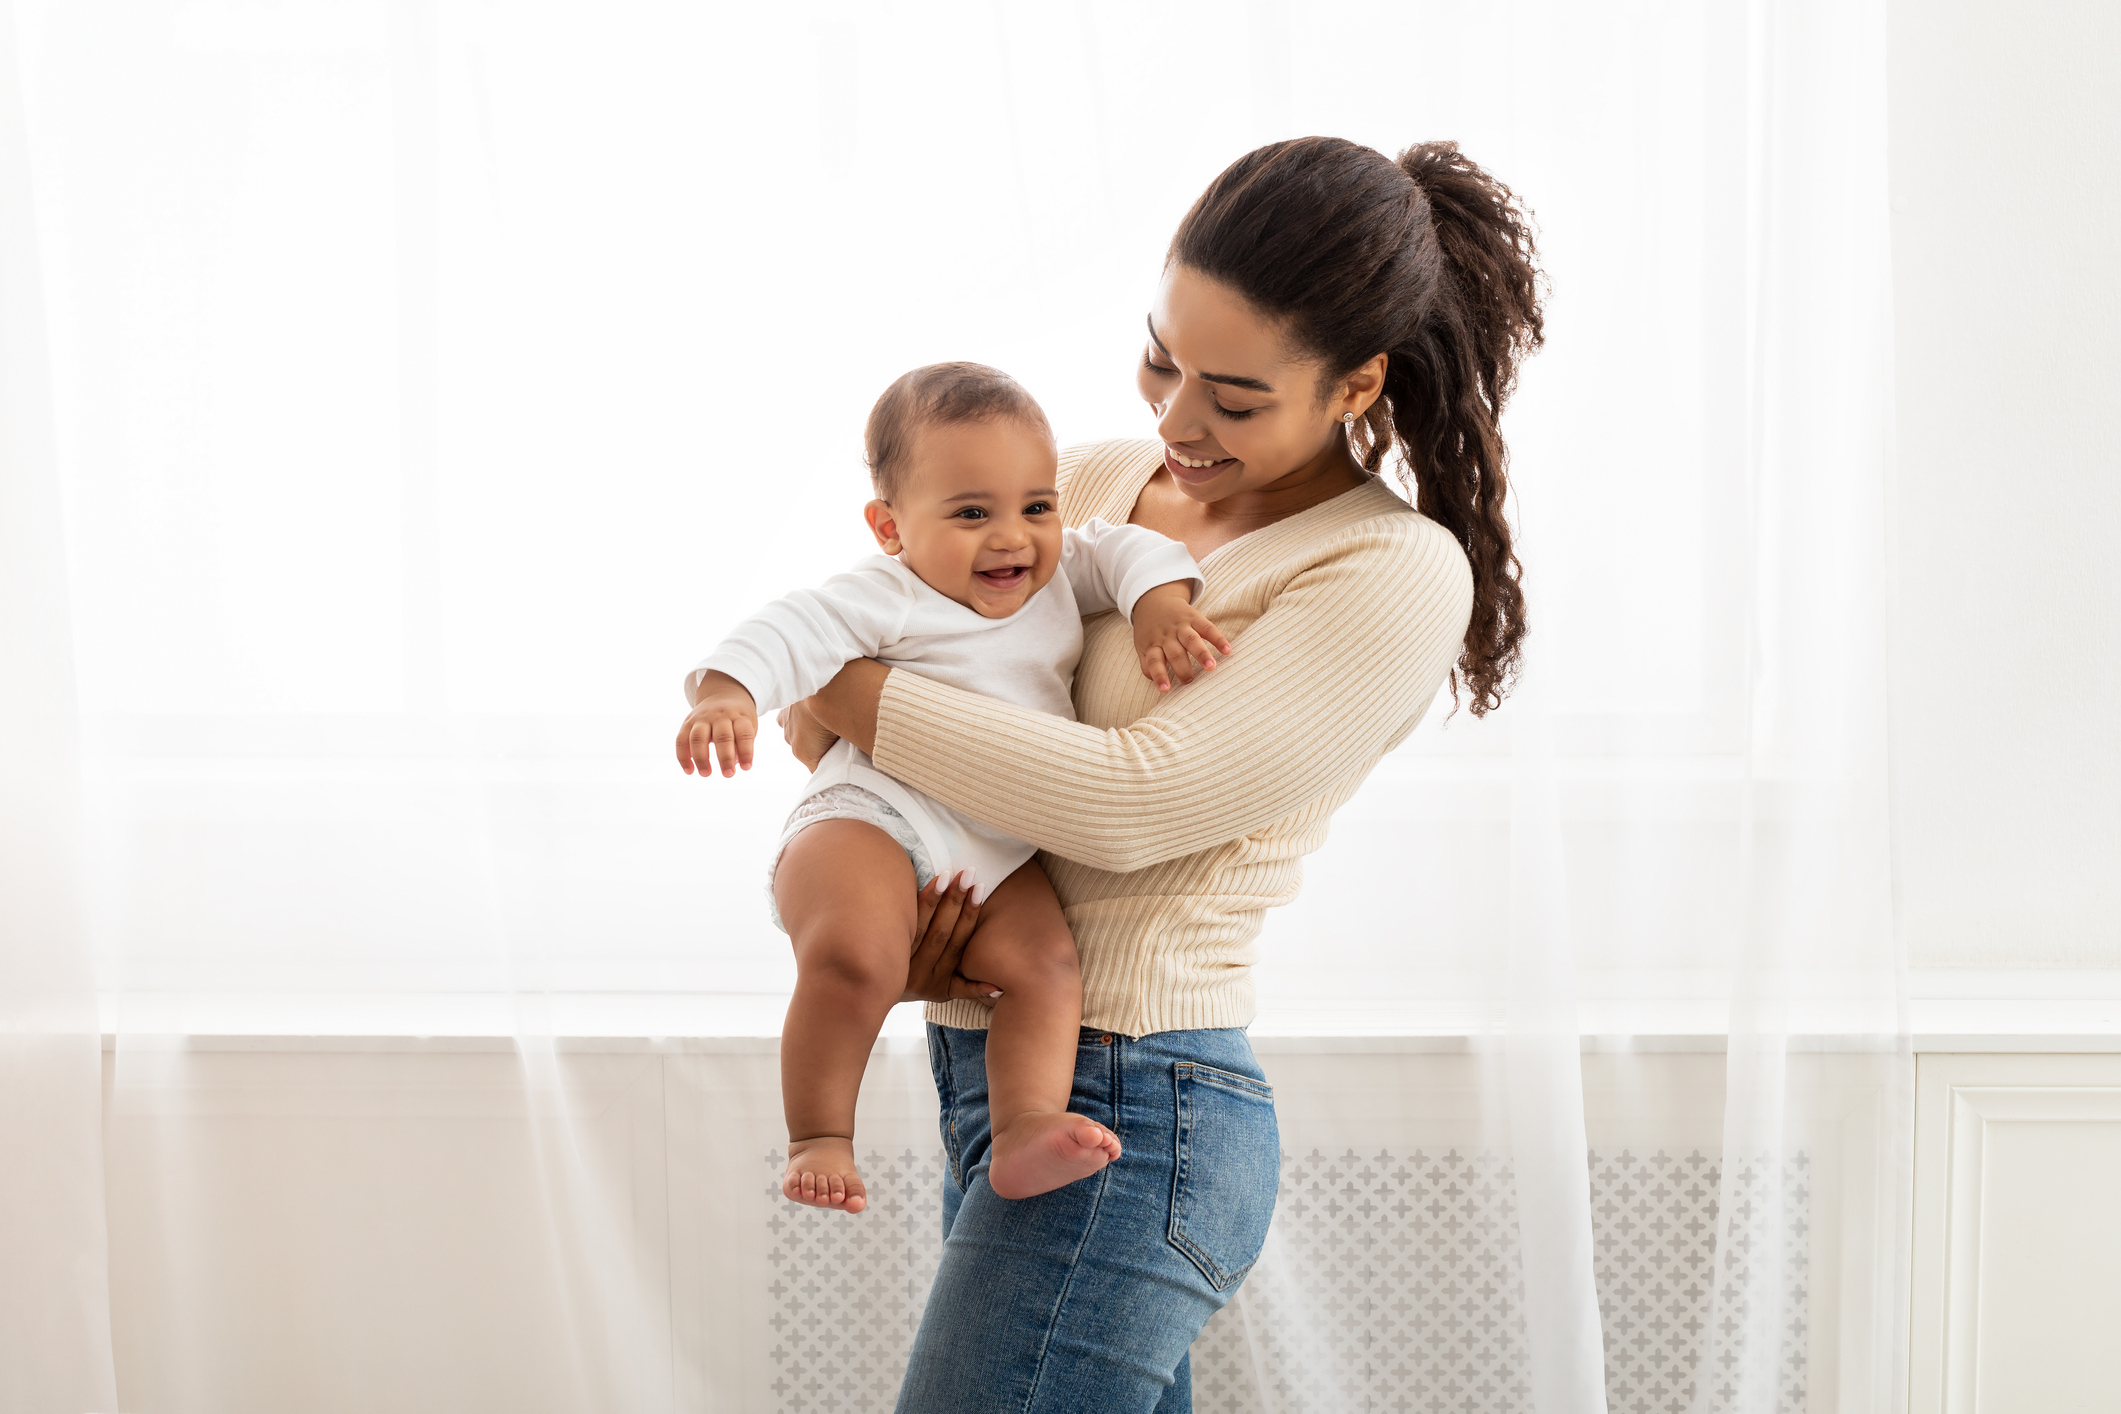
x: 1213, y: 487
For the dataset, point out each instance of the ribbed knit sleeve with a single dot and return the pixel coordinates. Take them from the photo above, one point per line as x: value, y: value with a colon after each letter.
x: 1351, y: 640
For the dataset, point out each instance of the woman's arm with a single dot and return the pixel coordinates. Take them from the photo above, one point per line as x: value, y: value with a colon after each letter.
x: 847, y: 705
x: 1345, y: 657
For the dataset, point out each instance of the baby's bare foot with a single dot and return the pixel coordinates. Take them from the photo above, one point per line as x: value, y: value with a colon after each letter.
x: 821, y: 1173
x: 1039, y: 1152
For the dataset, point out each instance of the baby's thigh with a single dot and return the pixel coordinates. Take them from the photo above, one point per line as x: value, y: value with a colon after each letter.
x: 846, y: 894
x: 1022, y: 935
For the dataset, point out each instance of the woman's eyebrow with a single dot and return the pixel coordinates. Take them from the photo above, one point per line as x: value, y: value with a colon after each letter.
x: 1235, y: 380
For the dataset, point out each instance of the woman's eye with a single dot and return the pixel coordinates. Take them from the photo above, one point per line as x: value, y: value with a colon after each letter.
x: 1163, y: 371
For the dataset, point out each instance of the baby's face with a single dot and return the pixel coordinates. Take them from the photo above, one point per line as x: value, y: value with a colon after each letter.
x: 977, y: 517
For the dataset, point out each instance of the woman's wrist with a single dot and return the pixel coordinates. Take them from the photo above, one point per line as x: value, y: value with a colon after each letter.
x: 848, y: 705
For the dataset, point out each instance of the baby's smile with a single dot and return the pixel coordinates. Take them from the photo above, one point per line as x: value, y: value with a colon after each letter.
x: 1006, y: 576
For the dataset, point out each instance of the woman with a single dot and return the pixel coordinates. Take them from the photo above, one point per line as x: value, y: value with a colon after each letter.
x: 1320, y: 305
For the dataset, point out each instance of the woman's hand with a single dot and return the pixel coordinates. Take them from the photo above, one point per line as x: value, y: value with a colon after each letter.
x: 848, y: 704
x: 945, y: 923
x: 807, y: 737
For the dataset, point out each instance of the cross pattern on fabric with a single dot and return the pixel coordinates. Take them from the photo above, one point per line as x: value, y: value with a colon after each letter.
x: 847, y: 1293
x: 1391, y: 1282
x: 1393, y: 1278
x: 1757, y: 1309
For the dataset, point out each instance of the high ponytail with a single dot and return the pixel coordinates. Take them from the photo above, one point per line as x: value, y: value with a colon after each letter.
x: 1431, y: 262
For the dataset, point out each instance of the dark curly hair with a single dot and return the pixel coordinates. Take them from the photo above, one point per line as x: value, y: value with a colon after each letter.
x: 1430, y: 261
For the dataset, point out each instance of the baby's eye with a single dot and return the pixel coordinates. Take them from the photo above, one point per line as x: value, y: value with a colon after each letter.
x: 1039, y: 508
x: 972, y: 513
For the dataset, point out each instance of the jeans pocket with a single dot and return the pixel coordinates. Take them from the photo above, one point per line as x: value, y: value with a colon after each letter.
x: 1229, y: 1169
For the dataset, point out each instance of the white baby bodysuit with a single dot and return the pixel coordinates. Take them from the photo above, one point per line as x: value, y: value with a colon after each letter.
x: 883, y: 610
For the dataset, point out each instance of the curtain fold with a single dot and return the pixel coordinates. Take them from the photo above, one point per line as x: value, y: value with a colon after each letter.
x: 406, y: 393
x: 55, y: 1331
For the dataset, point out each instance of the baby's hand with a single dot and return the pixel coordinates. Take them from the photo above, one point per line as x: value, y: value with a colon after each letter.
x: 1170, y: 635
x: 724, y: 718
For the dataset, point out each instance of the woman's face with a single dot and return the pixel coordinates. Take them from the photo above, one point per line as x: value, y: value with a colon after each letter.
x: 1236, y: 409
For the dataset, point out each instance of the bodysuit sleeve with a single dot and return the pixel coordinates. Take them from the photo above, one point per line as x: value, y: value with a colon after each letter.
x: 1111, y: 566
x: 793, y: 646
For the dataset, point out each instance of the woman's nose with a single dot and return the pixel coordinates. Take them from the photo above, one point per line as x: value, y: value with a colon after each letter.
x: 1176, y: 424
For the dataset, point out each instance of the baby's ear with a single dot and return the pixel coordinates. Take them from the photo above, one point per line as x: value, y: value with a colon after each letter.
x: 883, y: 524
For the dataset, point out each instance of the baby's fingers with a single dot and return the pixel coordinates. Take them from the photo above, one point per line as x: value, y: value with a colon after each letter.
x: 1196, y: 647
x: 1153, y: 668
x: 1175, y: 654
x: 1214, y: 635
x: 725, y: 746
x: 747, y: 732
x: 699, y: 746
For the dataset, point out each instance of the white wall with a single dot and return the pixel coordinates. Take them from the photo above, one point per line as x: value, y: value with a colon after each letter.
x: 2006, y: 172
x: 2017, y: 1280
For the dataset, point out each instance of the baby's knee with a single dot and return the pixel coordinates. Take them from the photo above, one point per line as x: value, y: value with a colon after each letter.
x: 857, y: 961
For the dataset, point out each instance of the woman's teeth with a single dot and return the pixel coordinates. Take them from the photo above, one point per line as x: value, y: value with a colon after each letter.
x: 1184, y: 460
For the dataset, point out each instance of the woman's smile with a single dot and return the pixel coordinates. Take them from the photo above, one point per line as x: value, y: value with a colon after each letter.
x: 1186, y: 467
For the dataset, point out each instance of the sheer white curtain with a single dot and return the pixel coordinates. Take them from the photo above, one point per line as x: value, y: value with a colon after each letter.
x: 419, y: 386
x: 55, y: 1331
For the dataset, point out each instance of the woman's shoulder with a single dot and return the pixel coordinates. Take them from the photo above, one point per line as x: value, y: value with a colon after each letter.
x: 1096, y: 476
x: 1374, y: 550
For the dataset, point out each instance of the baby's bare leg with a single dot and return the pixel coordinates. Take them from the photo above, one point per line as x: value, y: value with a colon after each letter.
x: 1023, y: 946
x: 845, y: 890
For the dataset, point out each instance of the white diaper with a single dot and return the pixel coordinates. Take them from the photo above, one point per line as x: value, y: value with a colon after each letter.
x: 849, y: 802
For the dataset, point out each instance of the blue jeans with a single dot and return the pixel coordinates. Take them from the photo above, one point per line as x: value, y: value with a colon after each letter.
x: 1088, y: 1298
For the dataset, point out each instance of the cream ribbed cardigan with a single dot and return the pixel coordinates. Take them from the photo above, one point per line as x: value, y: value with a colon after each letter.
x: 1170, y: 824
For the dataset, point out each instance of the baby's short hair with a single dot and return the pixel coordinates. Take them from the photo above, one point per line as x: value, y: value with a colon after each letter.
x: 939, y: 395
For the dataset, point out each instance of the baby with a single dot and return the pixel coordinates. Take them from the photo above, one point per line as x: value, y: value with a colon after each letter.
x: 982, y: 587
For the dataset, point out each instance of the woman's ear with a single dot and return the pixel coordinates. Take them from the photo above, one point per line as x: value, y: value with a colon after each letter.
x: 1361, y: 388
x: 883, y: 524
